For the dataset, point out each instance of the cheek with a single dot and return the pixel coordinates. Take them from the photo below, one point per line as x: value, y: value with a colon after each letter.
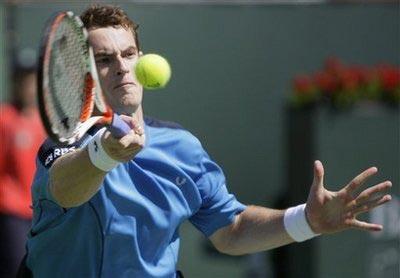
x: 103, y: 74
x: 104, y: 83
x: 130, y: 64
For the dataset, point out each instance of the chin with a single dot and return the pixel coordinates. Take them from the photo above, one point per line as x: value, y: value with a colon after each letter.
x: 128, y: 107
x: 128, y: 102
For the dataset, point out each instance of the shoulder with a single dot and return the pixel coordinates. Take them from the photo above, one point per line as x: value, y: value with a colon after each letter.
x: 173, y: 138
x: 156, y: 123
x: 170, y: 132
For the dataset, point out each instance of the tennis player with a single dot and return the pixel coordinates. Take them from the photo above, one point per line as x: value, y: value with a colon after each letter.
x: 109, y: 207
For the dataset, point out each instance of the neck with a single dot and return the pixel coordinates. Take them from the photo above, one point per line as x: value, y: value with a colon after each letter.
x: 138, y: 116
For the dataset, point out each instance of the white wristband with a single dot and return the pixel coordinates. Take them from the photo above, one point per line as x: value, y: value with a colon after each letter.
x: 296, y: 224
x: 98, y: 155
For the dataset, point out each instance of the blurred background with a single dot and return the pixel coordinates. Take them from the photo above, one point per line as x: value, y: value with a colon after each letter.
x: 267, y: 87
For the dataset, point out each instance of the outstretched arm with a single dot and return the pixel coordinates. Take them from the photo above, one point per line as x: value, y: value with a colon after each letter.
x: 257, y: 228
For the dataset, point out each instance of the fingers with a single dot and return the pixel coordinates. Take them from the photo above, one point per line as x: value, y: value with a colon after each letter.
x: 368, y: 199
x: 122, y: 143
x: 125, y: 148
x: 357, y: 224
x: 370, y: 192
x: 139, y: 130
x: 135, y: 126
x: 133, y: 123
x: 359, y: 180
x: 132, y: 139
x: 371, y: 204
x: 318, y: 174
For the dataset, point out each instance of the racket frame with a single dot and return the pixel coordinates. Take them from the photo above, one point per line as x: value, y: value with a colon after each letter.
x: 92, y: 89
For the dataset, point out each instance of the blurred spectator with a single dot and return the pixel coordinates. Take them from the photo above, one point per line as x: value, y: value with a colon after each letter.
x: 21, y: 134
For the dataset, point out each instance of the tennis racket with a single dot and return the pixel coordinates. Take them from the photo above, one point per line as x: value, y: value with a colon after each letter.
x: 68, y: 84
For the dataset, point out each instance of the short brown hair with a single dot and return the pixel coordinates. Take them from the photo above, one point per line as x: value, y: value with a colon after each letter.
x: 98, y: 16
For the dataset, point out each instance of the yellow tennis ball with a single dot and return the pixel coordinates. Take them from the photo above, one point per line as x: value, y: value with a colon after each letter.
x: 152, y: 71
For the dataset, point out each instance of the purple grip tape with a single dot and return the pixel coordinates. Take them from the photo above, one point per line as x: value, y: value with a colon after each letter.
x: 118, y: 127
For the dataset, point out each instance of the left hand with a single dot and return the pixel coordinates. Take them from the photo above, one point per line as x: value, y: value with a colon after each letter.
x: 330, y: 212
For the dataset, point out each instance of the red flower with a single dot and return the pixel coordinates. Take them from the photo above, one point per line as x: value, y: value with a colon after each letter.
x: 303, y: 84
x: 366, y: 75
x: 326, y: 83
x: 349, y: 79
x: 389, y: 76
x: 333, y: 66
x: 344, y: 85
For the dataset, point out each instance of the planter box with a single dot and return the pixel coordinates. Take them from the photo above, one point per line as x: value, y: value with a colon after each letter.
x: 347, y: 142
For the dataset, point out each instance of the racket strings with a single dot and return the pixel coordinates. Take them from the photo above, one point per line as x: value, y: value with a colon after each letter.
x: 70, y: 98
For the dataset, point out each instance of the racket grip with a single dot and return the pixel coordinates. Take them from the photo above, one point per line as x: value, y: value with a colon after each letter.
x: 118, y: 127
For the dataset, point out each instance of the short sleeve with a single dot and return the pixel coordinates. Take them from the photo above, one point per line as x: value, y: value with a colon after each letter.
x: 45, y: 208
x: 48, y: 153
x: 218, y: 207
x: 40, y: 183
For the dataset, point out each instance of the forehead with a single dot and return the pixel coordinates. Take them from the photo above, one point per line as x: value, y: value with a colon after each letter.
x: 111, y: 39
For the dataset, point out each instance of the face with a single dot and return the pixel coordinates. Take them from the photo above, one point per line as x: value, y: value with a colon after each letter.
x: 116, y: 53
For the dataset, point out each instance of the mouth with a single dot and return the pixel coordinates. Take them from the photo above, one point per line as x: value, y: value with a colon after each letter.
x: 124, y: 84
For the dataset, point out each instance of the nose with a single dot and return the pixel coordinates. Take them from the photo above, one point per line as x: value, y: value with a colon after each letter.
x: 122, y: 66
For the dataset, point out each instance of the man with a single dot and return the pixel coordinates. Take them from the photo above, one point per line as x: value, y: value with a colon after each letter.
x: 113, y: 207
x: 21, y: 135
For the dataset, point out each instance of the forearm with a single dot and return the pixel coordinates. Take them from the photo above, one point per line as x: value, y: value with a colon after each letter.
x: 74, y: 179
x: 77, y: 176
x: 255, y: 229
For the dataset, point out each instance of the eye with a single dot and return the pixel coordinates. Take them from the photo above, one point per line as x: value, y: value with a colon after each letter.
x: 102, y: 60
x: 131, y: 54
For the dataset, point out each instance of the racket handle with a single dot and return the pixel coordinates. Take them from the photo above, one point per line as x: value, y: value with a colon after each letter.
x: 118, y: 127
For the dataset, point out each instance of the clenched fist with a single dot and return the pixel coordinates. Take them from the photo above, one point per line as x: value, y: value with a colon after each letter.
x: 125, y: 148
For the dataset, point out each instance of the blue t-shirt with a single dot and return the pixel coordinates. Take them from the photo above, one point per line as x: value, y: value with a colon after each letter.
x: 130, y: 227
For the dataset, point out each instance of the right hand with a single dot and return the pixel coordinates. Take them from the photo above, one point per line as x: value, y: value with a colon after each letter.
x: 125, y: 148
